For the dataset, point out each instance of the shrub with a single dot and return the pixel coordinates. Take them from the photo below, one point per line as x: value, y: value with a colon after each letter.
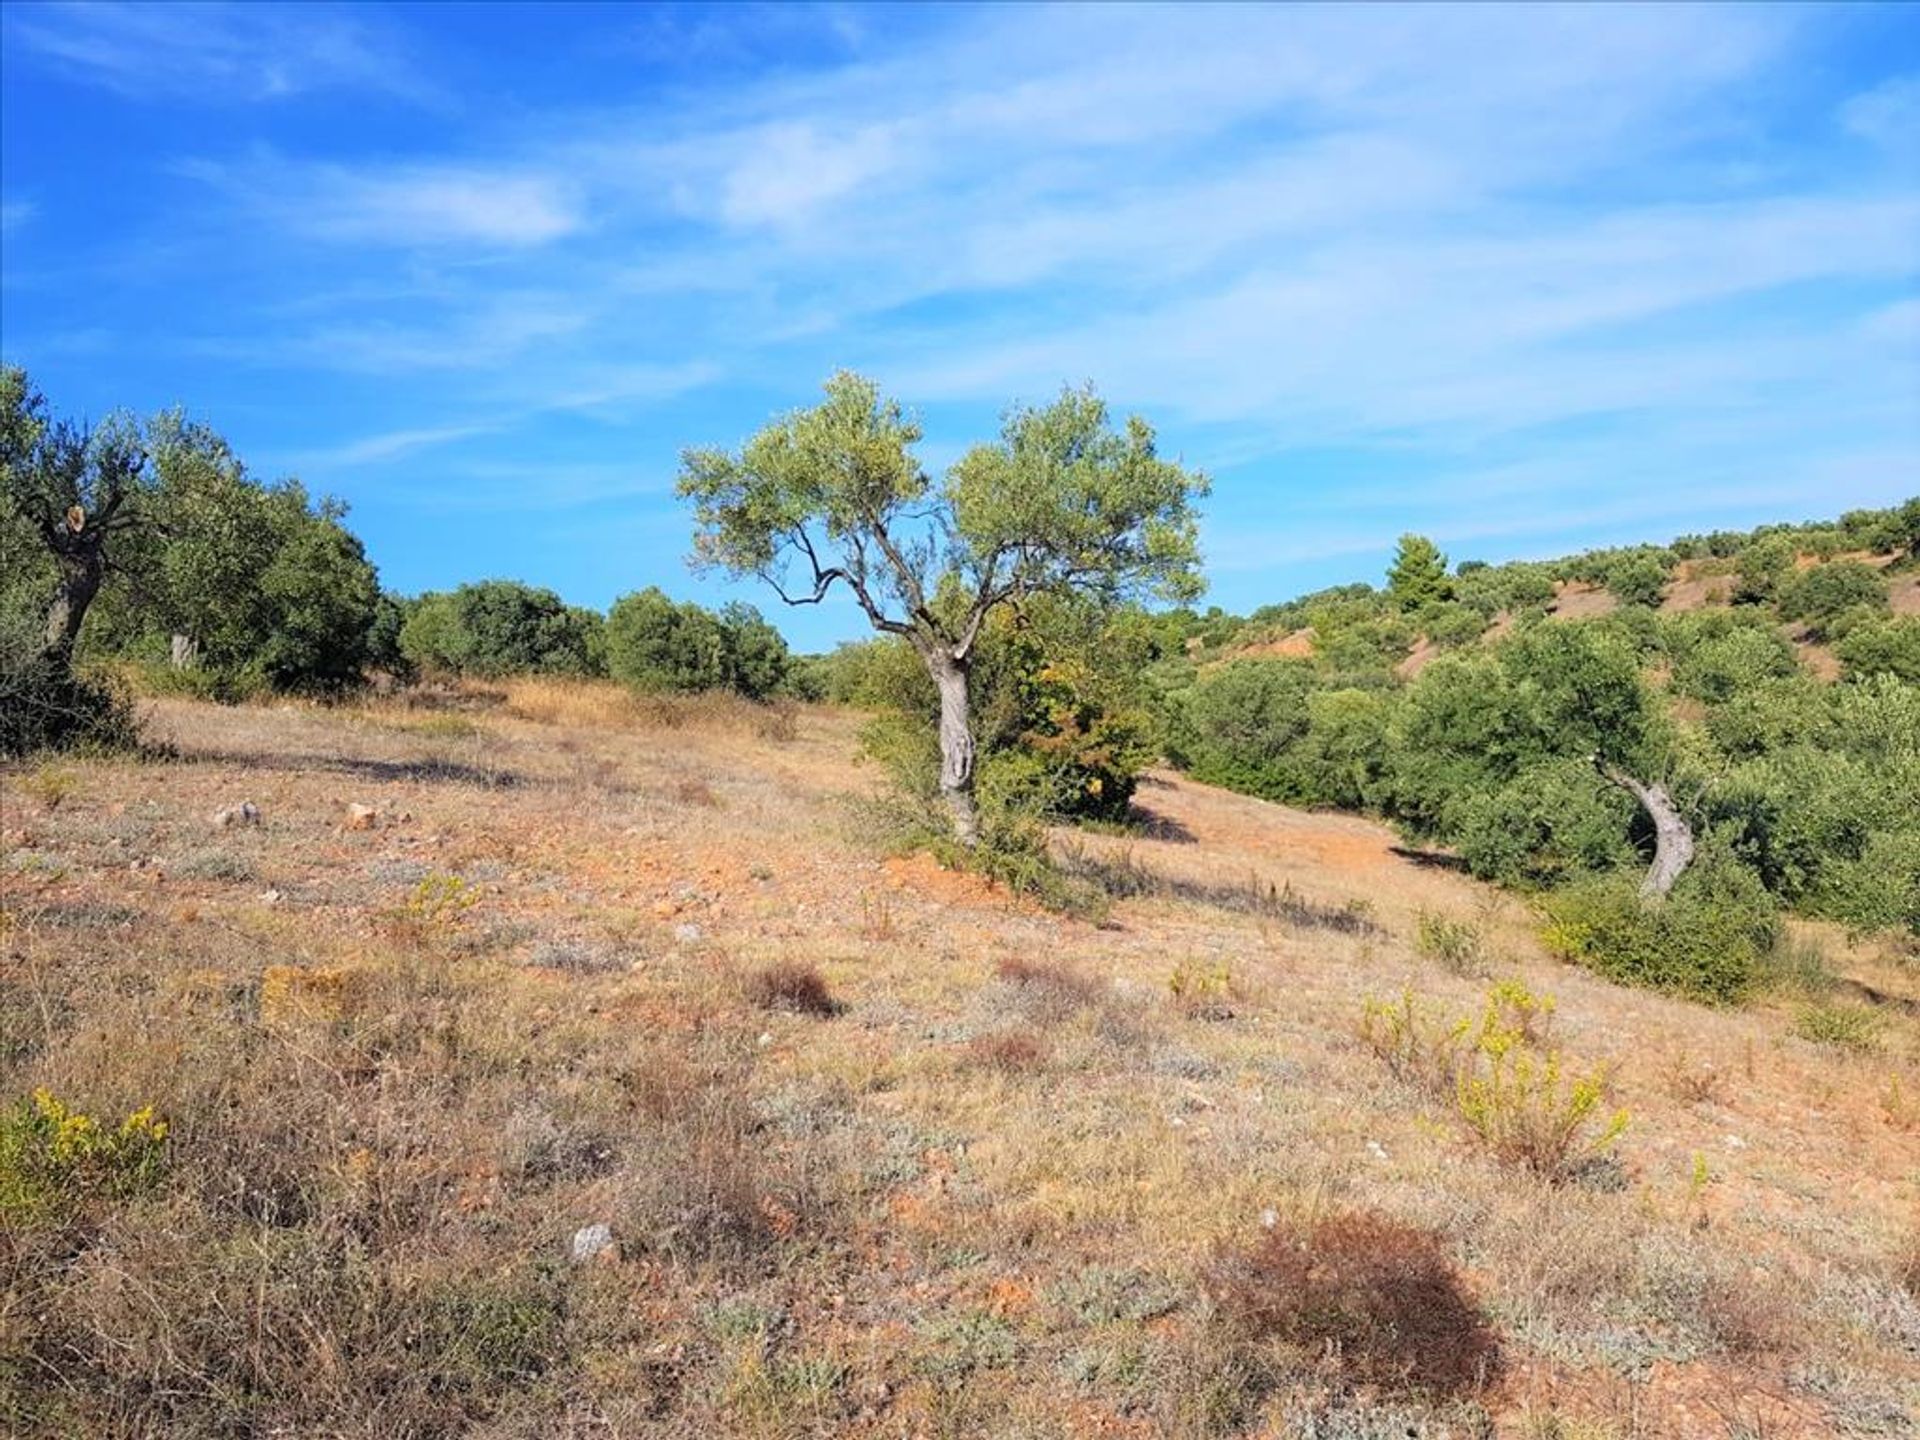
x: 55, y: 1160
x: 1377, y: 1297
x: 1638, y: 578
x: 656, y: 644
x: 1840, y: 1027
x: 501, y: 627
x: 1203, y: 991
x: 1705, y: 941
x: 791, y: 985
x: 1455, y: 944
x: 1015, y: 1051
x: 1501, y: 1078
x: 46, y: 707
x: 1048, y: 991
x: 1821, y: 595
x: 1882, y: 647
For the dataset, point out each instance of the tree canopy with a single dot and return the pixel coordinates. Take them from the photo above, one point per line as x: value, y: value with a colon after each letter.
x: 1062, y: 502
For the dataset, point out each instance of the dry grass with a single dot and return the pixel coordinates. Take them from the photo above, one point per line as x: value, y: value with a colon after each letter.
x: 1015, y: 1188
x: 790, y: 985
x: 1375, y: 1299
x: 606, y: 705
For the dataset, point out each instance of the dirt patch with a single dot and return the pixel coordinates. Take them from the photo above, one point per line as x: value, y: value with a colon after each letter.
x: 1578, y: 600
x: 1297, y: 646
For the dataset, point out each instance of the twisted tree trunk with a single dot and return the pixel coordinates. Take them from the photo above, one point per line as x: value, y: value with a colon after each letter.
x: 956, y: 743
x: 1672, y: 836
x: 80, y: 578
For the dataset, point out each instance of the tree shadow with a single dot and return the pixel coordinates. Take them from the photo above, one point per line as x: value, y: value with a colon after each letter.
x: 1431, y: 859
x: 429, y: 771
x: 1152, y: 825
x: 1124, y: 878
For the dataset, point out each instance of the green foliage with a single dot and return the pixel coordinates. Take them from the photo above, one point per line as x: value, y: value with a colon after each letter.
x: 1064, y: 506
x: 1705, y: 941
x: 1718, y: 655
x: 655, y: 644
x: 1822, y: 595
x: 1501, y: 1077
x: 1840, y: 1027
x: 1638, y: 578
x: 1457, y: 945
x: 261, y: 586
x: 1518, y: 588
x: 1763, y: 565
x: 499, y: 627
x: 1882, y: 647
x: 1418, y: 576
x: 46, y: 705
x: 57, y: 1162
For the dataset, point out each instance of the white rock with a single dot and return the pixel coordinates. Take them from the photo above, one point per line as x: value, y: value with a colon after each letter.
x: 594, y: 1242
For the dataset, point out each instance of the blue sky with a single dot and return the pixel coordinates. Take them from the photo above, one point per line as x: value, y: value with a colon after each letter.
x: 1525, y: 280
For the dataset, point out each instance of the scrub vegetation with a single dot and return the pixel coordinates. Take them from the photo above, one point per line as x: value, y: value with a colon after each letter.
x: 1482, y: 1004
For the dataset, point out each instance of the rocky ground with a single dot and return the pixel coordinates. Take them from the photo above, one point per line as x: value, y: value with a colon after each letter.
x: 878, y: 1149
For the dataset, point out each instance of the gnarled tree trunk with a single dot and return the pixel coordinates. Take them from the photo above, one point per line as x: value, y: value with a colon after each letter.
x: 80, y: 577
x: 956, y: 743
x: 1672, y: 836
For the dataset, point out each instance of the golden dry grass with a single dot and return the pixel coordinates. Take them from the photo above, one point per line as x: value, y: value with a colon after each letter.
x: 993, y: 1195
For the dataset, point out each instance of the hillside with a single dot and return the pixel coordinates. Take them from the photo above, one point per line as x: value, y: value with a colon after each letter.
x: 481, y: 978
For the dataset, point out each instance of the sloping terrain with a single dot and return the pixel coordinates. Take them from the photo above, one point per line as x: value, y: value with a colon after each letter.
x: 479, y: 980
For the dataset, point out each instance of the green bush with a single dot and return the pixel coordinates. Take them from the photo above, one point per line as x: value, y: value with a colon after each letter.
x: 1882, y: 647
x: 1638, y: 578
x: 1705, y: 941
x: 500, y: 627
x: 44, y: 706
x: 1825, y: 593
x: 56, y: 1161
x: 655, y: 644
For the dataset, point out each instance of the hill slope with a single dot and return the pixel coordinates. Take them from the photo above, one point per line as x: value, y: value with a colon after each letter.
x: 1016, y: 1183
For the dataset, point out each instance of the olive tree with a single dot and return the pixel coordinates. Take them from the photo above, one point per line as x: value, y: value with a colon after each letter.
x: 1062, y: 502
x: 80, y: 491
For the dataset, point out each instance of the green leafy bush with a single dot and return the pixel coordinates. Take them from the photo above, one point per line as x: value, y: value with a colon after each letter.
x: 1705, y: 941
x: 55, y: 1160
x: 1882, y: 647
x: 655, y: 644
x: 1826, y: 592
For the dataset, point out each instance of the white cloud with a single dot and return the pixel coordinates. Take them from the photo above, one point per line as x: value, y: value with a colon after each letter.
x: 16, y: 213
x: 217, y: 52
x: 1888, y: 114
x: 1453, y: 233
x: 429, y: 205
x: 504, y: 206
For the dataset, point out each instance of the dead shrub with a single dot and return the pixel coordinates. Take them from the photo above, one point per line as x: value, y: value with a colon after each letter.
x: 694, y: 790
x: 1046, y: 991
x: 791, y: 985
x: 1378, y: 1300
x: 777, y: 721
x: 1014, y: 1051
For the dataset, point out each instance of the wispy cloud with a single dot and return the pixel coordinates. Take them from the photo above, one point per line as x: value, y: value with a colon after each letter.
x: 16, y: 213
x: 1510, y: 270
x: 501, y: 206
x: 209, y: 53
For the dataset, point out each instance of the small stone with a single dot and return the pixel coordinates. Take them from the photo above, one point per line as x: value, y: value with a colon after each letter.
x: 1269, y: 1218
x: 245, y: 813
x: 595, y: 1243
x: 270, y: 897
x: 687, y: 934
x: 362, y: 817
